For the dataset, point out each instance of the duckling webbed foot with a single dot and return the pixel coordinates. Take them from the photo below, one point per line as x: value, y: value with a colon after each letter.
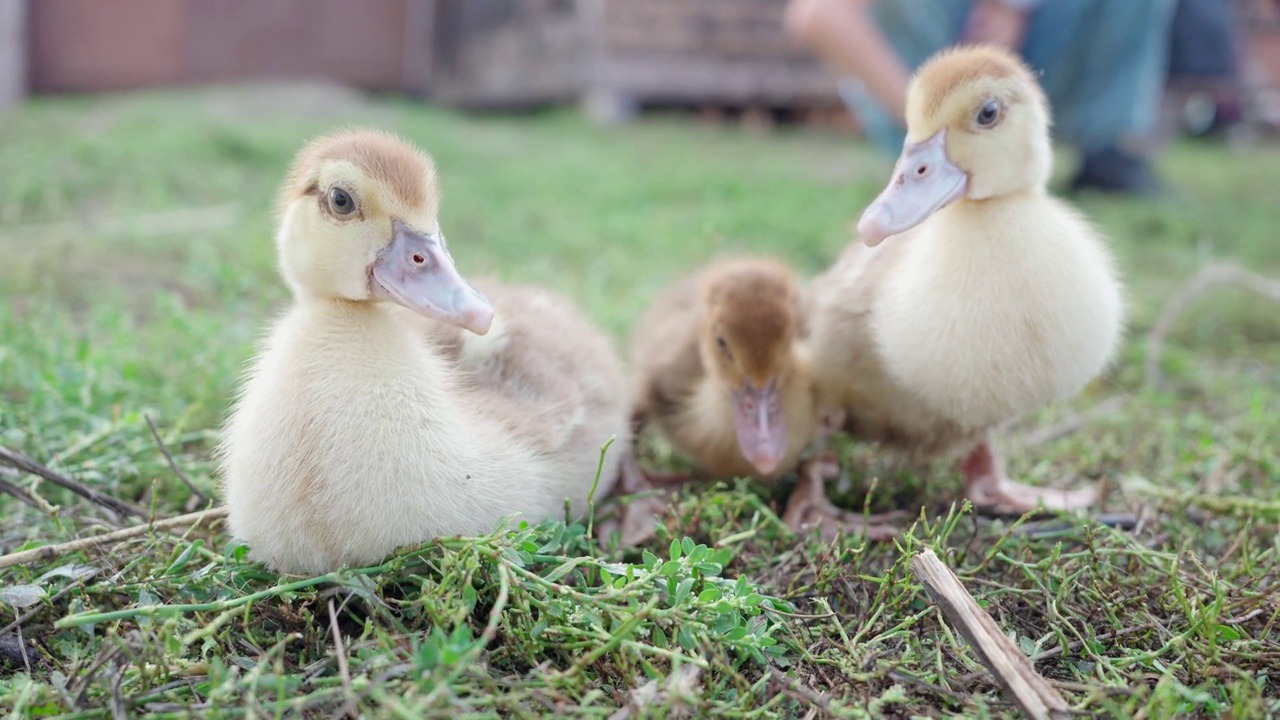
x: 809, y: 506
x: 988, y: 488
x: 635, y: 521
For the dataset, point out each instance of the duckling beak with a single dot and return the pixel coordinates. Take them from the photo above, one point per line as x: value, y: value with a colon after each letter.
x: 924, y: 181
x: 416, y: 271
x: 762, y: 432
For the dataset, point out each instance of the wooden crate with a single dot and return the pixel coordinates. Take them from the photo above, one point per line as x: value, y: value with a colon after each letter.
x: 505, y: 53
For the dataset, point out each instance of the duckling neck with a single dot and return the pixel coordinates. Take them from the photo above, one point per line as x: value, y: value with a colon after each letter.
x: 997, y: 224
x: 387, y: 352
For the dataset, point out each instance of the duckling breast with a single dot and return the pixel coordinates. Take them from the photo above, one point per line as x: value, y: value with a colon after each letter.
x: 983, y: 327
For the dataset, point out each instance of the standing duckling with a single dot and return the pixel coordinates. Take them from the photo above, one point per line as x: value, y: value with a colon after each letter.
x: 988, y: 299
x: 722, y: 373
x: 389, y: 406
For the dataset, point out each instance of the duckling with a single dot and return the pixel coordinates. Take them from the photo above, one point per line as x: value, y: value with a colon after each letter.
x: 722, y: 373
x: 988, y: 299
x: 389, y: 405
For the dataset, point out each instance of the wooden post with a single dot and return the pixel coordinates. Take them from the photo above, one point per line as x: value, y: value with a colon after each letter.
x: 13, y: 52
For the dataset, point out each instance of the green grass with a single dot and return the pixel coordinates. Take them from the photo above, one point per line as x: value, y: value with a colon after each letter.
x: 137, y: 272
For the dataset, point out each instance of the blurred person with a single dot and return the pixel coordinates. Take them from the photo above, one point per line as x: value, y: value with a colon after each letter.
x: 1103, y: 64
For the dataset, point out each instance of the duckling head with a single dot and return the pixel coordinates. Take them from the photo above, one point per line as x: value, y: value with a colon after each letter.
x: 977, y: 128
x: 359, y: 221
x: 749, y: 325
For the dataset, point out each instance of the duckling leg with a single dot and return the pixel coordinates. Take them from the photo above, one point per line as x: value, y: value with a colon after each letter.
x: 989, y: 488
x: 809, y: 506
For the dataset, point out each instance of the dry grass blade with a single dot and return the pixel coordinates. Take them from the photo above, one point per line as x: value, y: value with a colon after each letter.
x: 1074, y: 422
x: 26, y: 464
x: 1211, y: 274
x: 344, y: 670
x: 1014, y: 671
x: 48, y: 552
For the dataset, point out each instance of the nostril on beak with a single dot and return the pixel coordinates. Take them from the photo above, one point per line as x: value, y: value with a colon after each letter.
x: 922, y: 170
x: 418, y: 259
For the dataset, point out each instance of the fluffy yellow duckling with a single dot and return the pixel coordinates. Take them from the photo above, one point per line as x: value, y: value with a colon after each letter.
x: 988, y: 298
x: 389, y: 406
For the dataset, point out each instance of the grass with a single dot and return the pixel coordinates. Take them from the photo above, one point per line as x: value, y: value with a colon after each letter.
x: 137, y: 273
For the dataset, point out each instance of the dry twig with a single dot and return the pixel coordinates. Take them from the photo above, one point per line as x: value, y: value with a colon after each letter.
x: 48, y: 552
x: 1211, y: 274
x: 802, y: 692
x: 21, y: 494
x: 1011, y: 668
x: 26, y: 464
x: 173, y: 464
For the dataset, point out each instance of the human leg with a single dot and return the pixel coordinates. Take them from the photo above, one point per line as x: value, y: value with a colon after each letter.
x: 1104, y: 66
x: 851, y: 33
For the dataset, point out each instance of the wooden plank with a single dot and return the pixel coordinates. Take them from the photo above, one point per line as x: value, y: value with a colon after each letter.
x: 1008, y: 664
x: 13, y: 52
x: 233, y: 40
x: 89, y: 45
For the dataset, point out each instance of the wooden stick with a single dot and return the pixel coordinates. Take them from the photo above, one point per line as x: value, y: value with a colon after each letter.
x: 48, y: 552
x: 1011, y: 668
x: 1211, y: 274
x: 26, y: 464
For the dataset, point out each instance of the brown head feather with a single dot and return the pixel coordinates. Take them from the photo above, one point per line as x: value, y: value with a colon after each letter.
x: 962, y: 65
x: 752, y: 304
x: 402, y: 169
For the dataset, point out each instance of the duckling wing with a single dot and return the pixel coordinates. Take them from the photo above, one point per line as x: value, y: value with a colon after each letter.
x: 543, y: 371
x: 849, y: 371
x: 839, y: 305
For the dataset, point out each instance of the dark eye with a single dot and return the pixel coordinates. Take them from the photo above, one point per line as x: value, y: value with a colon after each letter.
x: 988, y: 114
x: 341, y: 201
x: 723, y: 345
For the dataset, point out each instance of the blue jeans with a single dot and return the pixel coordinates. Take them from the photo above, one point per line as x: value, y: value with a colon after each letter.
x: 1103, y: 63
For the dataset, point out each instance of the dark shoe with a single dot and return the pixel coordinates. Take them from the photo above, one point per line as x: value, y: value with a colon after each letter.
x: 1114, y: 171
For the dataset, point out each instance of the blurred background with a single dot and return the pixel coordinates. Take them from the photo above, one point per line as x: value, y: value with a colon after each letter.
x: 613, y: 57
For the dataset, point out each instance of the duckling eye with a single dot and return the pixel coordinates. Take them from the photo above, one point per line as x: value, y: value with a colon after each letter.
x: 341, y: 201
x: 988, y: 114
x: 724, y: 346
